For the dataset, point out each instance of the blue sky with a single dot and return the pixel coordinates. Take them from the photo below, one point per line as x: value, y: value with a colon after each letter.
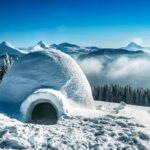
x: 105, y: 23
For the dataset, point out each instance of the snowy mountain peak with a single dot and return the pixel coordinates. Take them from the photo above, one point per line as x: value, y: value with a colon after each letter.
x: 73, y: 48
x: 133, y: 46
x: 7, y: 48
x: 41, y: 45
x: 6, y: 44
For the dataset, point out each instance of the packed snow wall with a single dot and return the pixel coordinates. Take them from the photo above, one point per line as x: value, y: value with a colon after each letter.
x: 47, y: 76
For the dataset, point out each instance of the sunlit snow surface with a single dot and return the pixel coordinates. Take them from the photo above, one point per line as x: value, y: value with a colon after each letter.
x: 114, y: 127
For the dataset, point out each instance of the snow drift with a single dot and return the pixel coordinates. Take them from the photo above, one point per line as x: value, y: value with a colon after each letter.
x: 119, y: 127
x: 44, y: 77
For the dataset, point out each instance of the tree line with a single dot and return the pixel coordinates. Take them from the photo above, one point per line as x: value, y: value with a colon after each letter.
x: 116, y: 93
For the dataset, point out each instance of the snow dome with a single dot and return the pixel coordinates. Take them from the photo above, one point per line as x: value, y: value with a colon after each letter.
x: 44, y: 84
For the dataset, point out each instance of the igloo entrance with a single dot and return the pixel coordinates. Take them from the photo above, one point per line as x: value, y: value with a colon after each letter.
x: 44, y: 113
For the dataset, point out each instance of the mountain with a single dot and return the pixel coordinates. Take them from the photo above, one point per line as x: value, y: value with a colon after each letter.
x: 110, y: 52
x: 69, y: 45
x: 6, y: 48
x: 136, y: 47
x: 66, y: 47
x: 40, y: 46
x: 72, y: 48
x: 133, y: 46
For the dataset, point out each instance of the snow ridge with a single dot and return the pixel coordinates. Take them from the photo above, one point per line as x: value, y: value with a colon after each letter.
x: 7, y: 48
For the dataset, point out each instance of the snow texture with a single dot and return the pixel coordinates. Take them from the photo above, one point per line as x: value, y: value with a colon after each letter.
x: 49, y: 69
x: 109, y: 131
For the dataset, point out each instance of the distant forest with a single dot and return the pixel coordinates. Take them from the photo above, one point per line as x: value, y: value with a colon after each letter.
x: 116, y: 93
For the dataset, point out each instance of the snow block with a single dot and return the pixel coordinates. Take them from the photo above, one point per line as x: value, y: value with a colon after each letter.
x: 55, y: 74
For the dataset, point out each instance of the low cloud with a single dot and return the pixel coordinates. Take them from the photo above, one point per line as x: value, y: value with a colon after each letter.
x: 123, y: 71
x: 129, y: 67
x: 91, y: 66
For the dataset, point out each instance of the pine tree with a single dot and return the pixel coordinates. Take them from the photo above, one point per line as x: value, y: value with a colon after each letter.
x: 116, y: 93
x: 7, y: 62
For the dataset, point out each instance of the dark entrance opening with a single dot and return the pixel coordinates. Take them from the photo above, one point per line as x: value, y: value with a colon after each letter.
x: 44, y: 113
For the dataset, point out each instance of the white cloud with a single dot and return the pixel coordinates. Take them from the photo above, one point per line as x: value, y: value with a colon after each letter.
x: 124, y: 70
x: 129, y: 67
x: 91, y: 66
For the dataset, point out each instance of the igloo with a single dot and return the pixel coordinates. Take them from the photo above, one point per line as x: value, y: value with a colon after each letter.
x: 44, y: 85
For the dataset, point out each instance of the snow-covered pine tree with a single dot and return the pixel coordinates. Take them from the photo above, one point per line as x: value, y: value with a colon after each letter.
x: 7, y: 62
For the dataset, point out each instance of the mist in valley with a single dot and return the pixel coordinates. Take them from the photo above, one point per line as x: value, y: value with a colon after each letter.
x: 122, y: 70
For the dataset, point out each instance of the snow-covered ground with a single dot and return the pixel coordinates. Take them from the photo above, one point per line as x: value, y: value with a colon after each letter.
x: 117, y: 126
